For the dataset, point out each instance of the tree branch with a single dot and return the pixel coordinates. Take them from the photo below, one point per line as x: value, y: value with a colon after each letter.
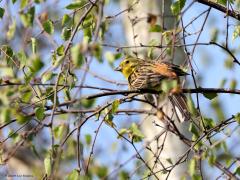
x: 143, y: 91
x: 233, y: 13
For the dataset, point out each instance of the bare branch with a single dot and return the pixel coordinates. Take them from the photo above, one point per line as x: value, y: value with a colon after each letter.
x: 143, y: 91
x: 233, y: 13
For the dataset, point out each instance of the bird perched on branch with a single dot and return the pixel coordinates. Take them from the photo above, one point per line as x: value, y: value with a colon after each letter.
x: 152, y: 74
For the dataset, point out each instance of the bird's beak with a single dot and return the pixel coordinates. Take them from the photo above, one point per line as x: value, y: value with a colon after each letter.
x: 118, y: 68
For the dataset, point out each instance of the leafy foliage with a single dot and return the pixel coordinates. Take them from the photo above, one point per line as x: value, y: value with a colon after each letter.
x: 1, y: 12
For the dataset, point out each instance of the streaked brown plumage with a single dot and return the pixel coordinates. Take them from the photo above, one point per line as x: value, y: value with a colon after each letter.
x: 145, y: 74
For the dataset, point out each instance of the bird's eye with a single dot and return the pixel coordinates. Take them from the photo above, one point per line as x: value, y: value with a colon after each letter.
x: 127, y: 62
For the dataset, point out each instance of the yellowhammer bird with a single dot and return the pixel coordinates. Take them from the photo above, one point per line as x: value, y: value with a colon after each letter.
x: 148, y: 74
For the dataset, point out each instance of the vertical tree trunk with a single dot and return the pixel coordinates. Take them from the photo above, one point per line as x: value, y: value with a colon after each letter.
x: 135, y: 24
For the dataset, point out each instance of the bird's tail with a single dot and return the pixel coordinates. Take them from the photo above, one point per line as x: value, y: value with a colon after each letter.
x: 179, y: 102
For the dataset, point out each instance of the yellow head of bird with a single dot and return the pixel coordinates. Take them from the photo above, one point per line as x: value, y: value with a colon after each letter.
x: 127, y: 66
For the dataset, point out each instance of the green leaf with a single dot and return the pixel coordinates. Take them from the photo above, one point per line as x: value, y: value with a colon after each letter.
x: 217, y: 107
x: 28, y: 77
x: 115, y: 106
x: 102, y: 171
x: 48, y: 27
x: 13, y: 1
x: 26, y: 97
x: 122, y: 132
x: 75, y: 175
x: 7, y: 72
x: 168, y: 85
x: 22, y: 59
x: 236, y: 32
x: 21, y: 118
x: 2, y: 11
x: 150, y: 52
x: 23, y: 4
x: 222, y: 83
x: 39, y: 112
x: 237, y: 171
x: 191, y: 106
x: 76, y: 5
x: 214, y: 34
x: 177, y: 6
x: 34, y: 45
x: 210, y: 95
x: 60, y: 50
x: 168, y: 36
x: 155, y: 28
x: 36, y: 65
x: 109, y: 56
x: 87, y: 33
x: 209, y: 123
x: 38, y: 1
x: 224, y: 146
x: 196, y: 177
x: 104, y: 28
x: 56, y: 62
x: 47, y: 165
x: 87, y: 25
x: 109, y: 118
x: 212, y: 159
x: 67, y: 94
x: 59, y: 130
x: 123, y: 175
x: 223, y: 2
x: 88, y: 139
x: 8, y: 53
x: 117, y: 55
x: 135, y: 133
x: 192, y: 167
x: 14, y: 136
x: 66, y: 33
x: 77, y: 56
x: 34, y: 150
x: 193, y: 129
x: 97, y: 51
x: 228, y: 63
x: 88, y: 103
x: 65, y: 19
x: 5, y: 115
x: 47, y: 76
x: 71, y: 80
x: 237, y: 118
x: 225, y: 157
x: 27, y: 18
x: 11, y: 30
x: 169, y: 160
x: 233, y: 84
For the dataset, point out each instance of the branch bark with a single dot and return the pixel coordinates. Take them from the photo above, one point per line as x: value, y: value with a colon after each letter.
x: 233, y: 13
x: 143, y: 91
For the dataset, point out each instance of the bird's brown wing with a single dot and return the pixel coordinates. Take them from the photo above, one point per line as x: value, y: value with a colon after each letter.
x: 172, y: 68
x: 148, y: 74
